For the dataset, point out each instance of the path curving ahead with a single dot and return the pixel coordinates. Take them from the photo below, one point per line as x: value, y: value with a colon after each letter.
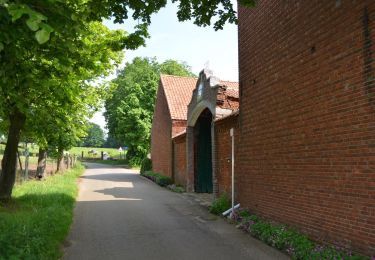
x: 120, y: 215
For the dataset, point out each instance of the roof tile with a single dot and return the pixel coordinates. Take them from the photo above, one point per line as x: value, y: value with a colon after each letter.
x: 178, y: 91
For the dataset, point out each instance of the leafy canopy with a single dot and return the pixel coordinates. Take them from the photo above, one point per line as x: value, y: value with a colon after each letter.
x: 129, y: 110
x: 95, y: 136
x: 43, y: 17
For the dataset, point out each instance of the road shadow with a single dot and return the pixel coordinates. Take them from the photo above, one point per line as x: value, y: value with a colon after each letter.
x: 99, y: 165
x: 120, y: 193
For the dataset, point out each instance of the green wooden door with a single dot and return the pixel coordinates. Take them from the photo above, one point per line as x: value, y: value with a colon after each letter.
x: 204, y: 158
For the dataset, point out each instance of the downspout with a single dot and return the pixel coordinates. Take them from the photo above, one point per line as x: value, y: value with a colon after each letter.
x: 171, y: 154
x: 231, y: 210
x: 232, y: 135
x: 213, y: 159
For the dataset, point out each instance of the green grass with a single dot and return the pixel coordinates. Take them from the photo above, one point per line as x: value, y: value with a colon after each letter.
x: 113, y: 152
x: 32, y: 148
x: 37, y: 219
x: 32, y: 160
x: 221, y: 204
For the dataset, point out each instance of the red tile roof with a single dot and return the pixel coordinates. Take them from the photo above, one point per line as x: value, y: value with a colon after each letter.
x: 178, y: 91
x: 230, y: 84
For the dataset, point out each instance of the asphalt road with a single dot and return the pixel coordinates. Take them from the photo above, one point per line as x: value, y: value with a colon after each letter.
x: 121, y: 215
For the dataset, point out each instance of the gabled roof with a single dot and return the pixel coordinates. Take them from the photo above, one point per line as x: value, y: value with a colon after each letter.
x: 178, y: 91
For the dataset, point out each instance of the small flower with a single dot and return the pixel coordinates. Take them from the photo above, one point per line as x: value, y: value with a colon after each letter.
x: 290, y: 250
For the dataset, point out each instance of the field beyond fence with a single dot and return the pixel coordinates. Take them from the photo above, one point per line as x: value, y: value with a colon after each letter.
x: 51, y: 163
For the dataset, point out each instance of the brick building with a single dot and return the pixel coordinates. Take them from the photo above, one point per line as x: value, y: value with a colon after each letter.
x: 170, y: 117
x: 184, y: 131
x: 212, y: 100
x: 306, y: 148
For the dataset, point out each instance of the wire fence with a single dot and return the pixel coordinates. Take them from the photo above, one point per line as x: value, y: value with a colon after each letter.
x: 27, y: 165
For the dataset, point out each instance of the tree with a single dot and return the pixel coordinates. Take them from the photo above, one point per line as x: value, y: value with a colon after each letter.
x: 49, y: 88
x: 95, y: 136
x: 111, y: 142
x: 130, y: 108
x: 44, y: 42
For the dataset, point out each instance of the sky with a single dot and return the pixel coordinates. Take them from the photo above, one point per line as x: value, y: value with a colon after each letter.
x: 184, y: 41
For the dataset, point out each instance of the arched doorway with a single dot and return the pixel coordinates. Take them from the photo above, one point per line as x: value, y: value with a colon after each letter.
x: 203, y: 153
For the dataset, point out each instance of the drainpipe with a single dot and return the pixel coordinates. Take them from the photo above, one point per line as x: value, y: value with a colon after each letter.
x: 232, y: 135
x: 215, y: 188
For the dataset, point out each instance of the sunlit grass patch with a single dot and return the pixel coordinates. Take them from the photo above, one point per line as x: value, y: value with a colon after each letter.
x: 37, y: 219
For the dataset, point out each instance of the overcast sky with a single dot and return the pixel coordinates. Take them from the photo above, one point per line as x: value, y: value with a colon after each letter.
x: 187, y: 42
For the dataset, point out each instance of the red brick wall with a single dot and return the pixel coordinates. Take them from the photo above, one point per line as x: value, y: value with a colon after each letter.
x: 161, y: 143
x: 223, y: 149
x: 179, y: 160
x: 307, y: 126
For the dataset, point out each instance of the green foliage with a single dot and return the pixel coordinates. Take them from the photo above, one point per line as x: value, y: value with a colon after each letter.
x: 173, y: 67
x: 36, y: 221
x: 221, y: 204
x: 36, y: 16
x: 95, y: 136
x: 111, y: 142
x: 161, y: 180
x: 50, y: 54
x: 176, y: 188
x: 50, y: 86
x: 39, y: 19
x: 130, y: 107
x: 203, y: 11
x: 146, y: 165
x: 297, y: 245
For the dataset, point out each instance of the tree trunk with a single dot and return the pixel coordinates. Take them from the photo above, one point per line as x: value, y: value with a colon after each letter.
x: 9, y: 162
x: 42, y: 160
x: 60, y: 156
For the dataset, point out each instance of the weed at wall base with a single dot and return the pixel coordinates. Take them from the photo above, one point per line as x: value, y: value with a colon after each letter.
x: 161, y: 180
x: 221, y: 204
x: 295, y: 244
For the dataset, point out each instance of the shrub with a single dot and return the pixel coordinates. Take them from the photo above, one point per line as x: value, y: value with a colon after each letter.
x: 176, y: 188
x: 163, y: 180
x: 221, y: 204
x: 146, y: 165
x: 158, y: 178
x: 134, y: 161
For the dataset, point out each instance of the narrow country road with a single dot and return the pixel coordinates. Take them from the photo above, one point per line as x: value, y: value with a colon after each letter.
x: 120, y: 215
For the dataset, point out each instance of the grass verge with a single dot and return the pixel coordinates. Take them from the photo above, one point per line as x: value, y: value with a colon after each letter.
x: 37, y: 219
